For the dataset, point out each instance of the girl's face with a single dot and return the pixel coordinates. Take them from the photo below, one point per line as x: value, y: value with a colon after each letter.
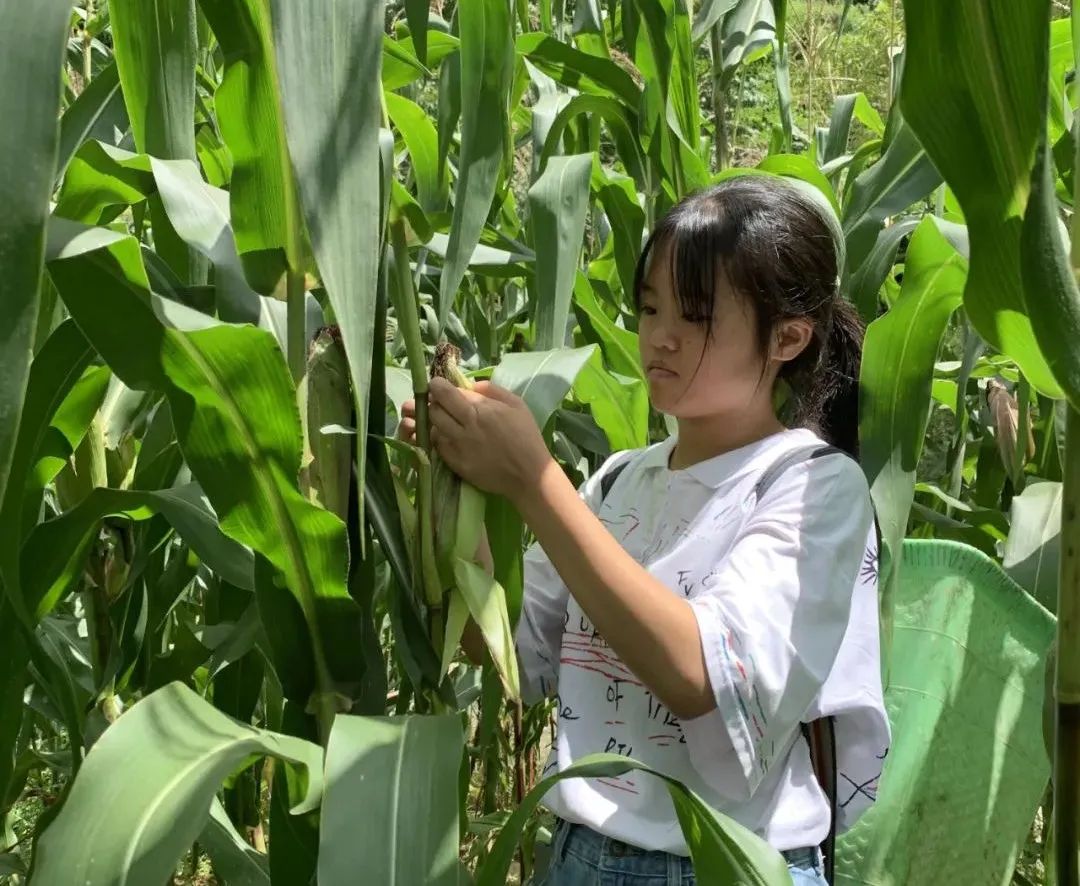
x: 692, y: 375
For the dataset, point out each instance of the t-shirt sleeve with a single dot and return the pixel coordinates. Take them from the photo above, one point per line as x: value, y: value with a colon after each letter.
x: 538, y: 635
x: 773, y: 612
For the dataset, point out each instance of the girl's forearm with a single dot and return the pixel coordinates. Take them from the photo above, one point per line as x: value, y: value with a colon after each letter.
x: 652, y: 631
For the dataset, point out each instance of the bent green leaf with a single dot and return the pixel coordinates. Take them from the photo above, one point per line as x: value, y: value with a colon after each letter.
x: 723, y: 850
x: 1051, y: 296
x: 157, y: 770
x: 895, y: 384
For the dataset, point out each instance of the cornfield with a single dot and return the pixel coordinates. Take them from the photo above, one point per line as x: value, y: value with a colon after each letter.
x: 237, y: 234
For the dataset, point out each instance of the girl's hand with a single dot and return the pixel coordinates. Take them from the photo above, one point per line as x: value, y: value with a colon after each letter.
x: 487, y: 436
x: 406, y: 429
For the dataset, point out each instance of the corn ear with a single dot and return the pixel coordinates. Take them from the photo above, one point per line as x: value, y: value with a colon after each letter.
x: 459, y: 521
x: 1005, y: 412
x: 446, y: 484
x: 329, y: 402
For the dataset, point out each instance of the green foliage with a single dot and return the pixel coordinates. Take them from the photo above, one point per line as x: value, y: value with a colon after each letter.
x: 207, y: 557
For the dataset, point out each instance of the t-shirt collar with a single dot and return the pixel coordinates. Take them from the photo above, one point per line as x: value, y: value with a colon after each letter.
x: 714, y: 471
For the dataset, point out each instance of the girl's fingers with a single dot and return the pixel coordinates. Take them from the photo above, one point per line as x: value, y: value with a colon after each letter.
x: 407, y: 429
x: 449, y: 400
x: 492, y: 390
x: 447, y: 421
x: 408, y: 409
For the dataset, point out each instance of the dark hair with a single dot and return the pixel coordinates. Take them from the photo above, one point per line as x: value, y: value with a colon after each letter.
x: 776, y: 249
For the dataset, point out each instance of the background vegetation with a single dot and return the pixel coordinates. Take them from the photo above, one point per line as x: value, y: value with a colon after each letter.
x: 231, y: 600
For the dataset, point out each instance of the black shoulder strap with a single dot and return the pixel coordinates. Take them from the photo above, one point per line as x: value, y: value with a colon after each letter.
x: 772, y: 473
x: 608, y: 480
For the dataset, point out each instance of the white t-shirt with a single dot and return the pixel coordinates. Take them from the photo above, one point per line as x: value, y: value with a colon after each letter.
x: 771, y: 583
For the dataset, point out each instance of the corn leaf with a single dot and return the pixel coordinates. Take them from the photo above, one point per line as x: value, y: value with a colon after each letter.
x: 974, y: 92
x: 542, y: 378
x: 332, y: 131
x: 248, y: 105
x: 782, y: 65
x: 400, y: 66
x: 486, y: 58
x: 747, y: 31
x: 620, y: 404
x: 846, y: 108
x: 98, y: 113
x: 1033, y: 549
x: 904, y: 175
x: 235, y: 417
x: 52, y: 557
x: 895, y: 383
x: 200, y: 215
x: 864, y: 284
x: 70, y: 424
x: 558, y: 203
x: 709, y: 14
x: 1051, y: 296
x: 157, y: 770
x: 619, y: 345
x: 422, y: 142
x: 407, y: 768
x: 579, y: 70
x: 723, y: 850
x: 32, y: 52
x: 155, y: 45
x: 234, y: 860
x: 53, y: 375
x: 486, y: 602
x: 103, y: 181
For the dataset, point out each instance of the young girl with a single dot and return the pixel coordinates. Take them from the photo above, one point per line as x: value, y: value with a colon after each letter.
x: 692, y: 618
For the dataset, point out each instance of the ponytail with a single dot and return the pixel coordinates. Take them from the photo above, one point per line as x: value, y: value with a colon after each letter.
x: 837, y: 390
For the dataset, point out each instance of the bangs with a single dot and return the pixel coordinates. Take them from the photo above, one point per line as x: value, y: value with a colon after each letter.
x: 701, y: 239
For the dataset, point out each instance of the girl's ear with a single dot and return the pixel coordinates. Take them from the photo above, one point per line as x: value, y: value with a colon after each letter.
x: 792, y: 337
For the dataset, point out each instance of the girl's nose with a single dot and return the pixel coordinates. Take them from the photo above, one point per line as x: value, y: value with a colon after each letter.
x: 662, y: 338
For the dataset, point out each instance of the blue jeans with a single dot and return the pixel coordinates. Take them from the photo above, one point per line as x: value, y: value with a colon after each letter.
x: 582, y: 857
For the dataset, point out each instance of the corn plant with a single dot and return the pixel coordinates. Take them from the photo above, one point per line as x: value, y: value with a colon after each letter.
x: 239, y: 233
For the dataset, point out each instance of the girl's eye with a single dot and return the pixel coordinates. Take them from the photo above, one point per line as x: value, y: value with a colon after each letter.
x: 647, y: 310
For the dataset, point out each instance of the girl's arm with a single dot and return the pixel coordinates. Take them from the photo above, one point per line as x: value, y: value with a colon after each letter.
x: 489, y: 438
x: 654, y: 632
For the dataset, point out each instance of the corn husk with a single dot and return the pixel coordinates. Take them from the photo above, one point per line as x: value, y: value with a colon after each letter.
x: 1005, y: 412
x: 458, y: 512
x: 329, y: 403
x: 445, y: 483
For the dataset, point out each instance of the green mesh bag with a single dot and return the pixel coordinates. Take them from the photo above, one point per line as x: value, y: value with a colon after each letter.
x: 968, y: 765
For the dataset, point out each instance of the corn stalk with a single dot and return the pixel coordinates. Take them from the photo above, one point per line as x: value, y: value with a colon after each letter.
x: 408, y: 318
x: 1067, y: 688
